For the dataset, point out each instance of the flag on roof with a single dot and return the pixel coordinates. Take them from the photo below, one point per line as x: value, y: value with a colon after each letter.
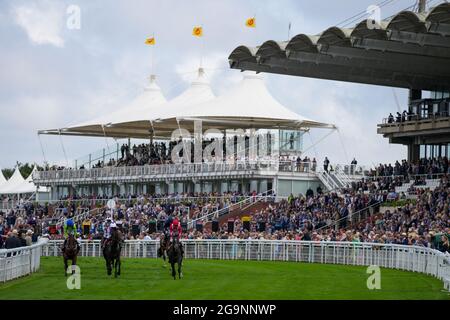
x: 197, y: 31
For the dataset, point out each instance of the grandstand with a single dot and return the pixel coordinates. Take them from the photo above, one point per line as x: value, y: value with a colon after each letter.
x: 249, y: 142
x: 235, y: 170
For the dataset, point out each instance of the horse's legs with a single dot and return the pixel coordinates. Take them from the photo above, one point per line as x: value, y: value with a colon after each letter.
x: 164, y: 258
x: 74, y: 263
x: 174, y: 275
x: 115, y: 267
x: 65, y: 266
x: 180, y: 274
x: 119, y: 263
x: 108, y: 267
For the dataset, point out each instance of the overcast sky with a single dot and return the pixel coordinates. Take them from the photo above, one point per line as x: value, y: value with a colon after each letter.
x: 52, y: 76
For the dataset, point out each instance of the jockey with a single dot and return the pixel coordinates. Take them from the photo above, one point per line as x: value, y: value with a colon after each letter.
x: 107, y: 226
x: 167, y: 225
x: 70, y: 228
x: 119, y: 225
x: 175, y: 229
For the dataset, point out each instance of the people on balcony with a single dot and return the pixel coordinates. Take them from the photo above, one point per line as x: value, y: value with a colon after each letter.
x: 390, y: 118
x: 326, y: 163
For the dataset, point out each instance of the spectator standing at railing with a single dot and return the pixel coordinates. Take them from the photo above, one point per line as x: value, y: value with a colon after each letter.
x: 12, y: 241
x: 390, y: 118
x: 28, y: 239
x: 326, y: 163
x: 445, y: 247
x: 353, y: 166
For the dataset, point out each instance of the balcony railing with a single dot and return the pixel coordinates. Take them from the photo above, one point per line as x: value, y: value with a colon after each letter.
x: 411, y: 118
x: 170, y: 170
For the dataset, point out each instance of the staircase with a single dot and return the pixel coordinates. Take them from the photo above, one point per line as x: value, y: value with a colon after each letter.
x: 79, y: 218
x: 334, y: 180
x: 239, y: 213
x: 330, y: 180
x: 235, y: 208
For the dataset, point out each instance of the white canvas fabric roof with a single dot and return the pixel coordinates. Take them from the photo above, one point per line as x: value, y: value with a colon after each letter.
x: 142, y: 107
x: 2, y: 178
x: 248, y: 101
x: 198, y: 92
x: 137, y: 119
x: 18, y: 185
x: 13, y: 182
x: 26, y: 186
x: 249, y: 105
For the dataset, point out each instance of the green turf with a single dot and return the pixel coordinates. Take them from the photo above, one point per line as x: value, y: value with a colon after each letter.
x: 213, y: 279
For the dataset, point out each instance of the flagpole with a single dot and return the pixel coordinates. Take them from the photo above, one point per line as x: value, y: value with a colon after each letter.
x: 152, y: 56
x: 289, y: 32
x: 201, y: 49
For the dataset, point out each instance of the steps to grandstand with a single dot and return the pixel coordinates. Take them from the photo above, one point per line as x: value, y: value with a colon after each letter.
x: 242, y: 205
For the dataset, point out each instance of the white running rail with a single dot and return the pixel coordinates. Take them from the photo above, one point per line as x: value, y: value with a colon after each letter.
x: 408, y: 258
x: 18, y: 262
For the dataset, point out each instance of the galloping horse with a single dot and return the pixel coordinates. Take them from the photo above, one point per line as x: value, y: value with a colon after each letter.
x: 70, y: 252
x: 175, y: 254
x: 111, y: 252
x: 163, y: 247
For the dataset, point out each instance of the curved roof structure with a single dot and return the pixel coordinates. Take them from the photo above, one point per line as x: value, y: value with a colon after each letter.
x: 409, y: 50
x: 249, y: 105
x: 199, y: 91
x: 143, y: 107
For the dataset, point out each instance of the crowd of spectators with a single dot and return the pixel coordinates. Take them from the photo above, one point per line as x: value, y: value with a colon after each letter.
x: 316, y: 216
x: 400, y: 117
x: 160, y: 152
x: 431, y: 167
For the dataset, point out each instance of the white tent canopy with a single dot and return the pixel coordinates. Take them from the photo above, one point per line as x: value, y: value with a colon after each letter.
x: 248, y: 103
x: 248, y: 106
x: 143, y: 107
x: 26, y: 186
x: 12, y: 183
x: 18, y: 185
x: 198, y: 92
x: 2, y: 178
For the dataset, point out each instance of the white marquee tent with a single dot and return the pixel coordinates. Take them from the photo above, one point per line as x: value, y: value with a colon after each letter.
x: 142, y: 107
x: 248, y: 106
x: 18, y: 185
x: 2, y: 178
x: 12, y: 183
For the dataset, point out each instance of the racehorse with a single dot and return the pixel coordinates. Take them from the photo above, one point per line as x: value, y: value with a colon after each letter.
x: 163, y: 247
x: 175, y: 254
x: 111, y: 252
x: 70, y: 252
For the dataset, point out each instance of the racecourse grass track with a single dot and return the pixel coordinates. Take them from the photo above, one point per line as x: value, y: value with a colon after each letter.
x: 217, y: 279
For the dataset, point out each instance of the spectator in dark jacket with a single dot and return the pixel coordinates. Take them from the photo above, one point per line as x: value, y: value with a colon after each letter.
x: 23, y: 241
x: 12, y: 241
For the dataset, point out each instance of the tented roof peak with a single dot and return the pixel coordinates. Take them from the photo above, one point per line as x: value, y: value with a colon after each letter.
x: 152, y: 85
x: 201, y: 79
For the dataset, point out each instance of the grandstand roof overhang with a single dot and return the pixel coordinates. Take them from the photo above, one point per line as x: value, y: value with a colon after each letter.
x: 409, y: 50
x: 163, y: 128
x: 248, y: 106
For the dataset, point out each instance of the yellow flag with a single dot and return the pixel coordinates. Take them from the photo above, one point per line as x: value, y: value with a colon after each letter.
x: 250, y: 22
x: 150, y: 41
x: 197, y: 31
